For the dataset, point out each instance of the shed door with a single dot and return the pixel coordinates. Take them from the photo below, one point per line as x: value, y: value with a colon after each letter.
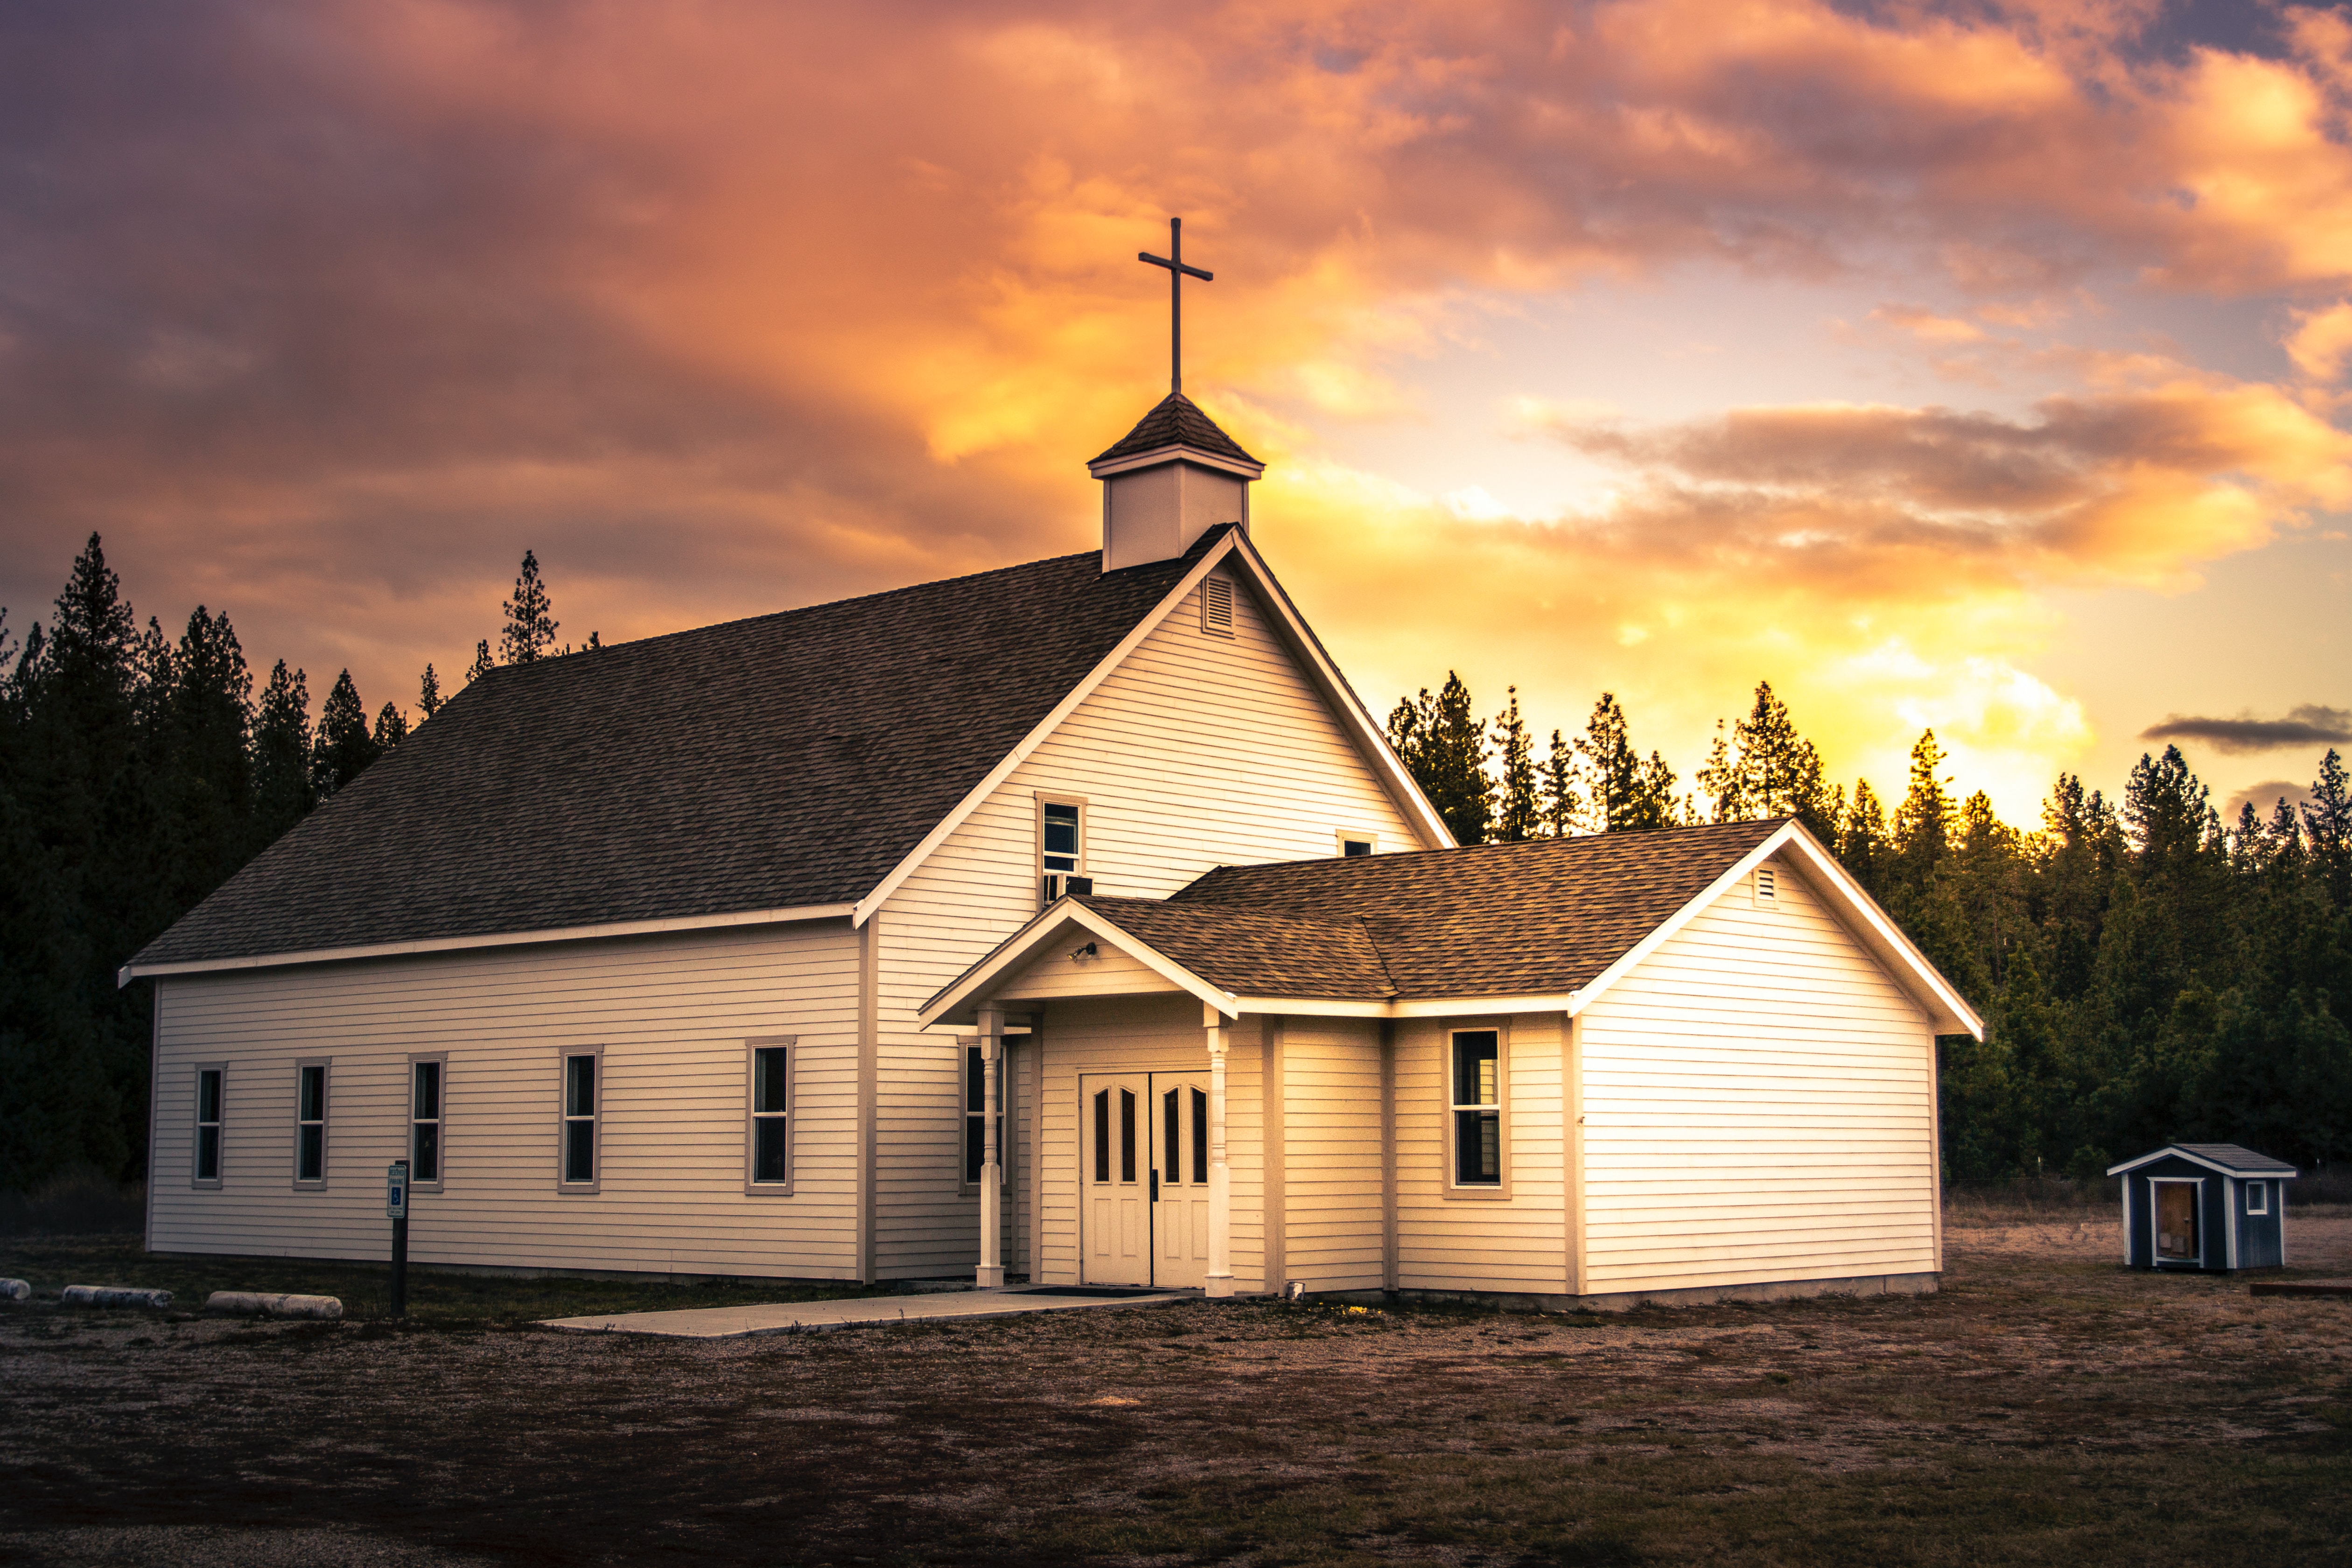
x: 1115, y: 1185
x: 2176, y: 1222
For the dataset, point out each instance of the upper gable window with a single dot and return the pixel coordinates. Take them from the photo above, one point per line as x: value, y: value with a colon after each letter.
x: 1061, y: 848
x: 1217, y: 607
x: 1354, y: 844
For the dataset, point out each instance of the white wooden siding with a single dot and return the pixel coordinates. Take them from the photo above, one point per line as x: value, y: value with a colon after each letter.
x: 671, y: 1014
x: 1197, y: 751
x: 1759, y: 1106
x: 1331, y: 1152
x: 1517, y: 1242
x: 1143, y: 1034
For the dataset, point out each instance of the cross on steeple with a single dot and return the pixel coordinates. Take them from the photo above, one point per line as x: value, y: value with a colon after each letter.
x: 1177, y: 273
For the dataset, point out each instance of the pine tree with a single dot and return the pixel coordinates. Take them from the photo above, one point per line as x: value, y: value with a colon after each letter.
x: 209, y: 789
x: 1923, y: 822
x: 529, y: 633
x: 1519, y: 814
x: 1629, y: 792
x: 2327, y: 819
x: 1721, y: 781
x: 1563, y: 802
x: 342, y: 748
x: 482, y: 664
x: 428, y: 696
x: 1780, y: 771
x: 1444, y: 748
x: 1862, y: 840
x: 281, y: 755
x: 390, y: 728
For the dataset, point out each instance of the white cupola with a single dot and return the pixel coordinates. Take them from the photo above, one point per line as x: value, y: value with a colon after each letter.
x: 1173, y: 478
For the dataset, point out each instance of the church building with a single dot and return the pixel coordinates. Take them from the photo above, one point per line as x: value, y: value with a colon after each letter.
x: 1071, y: 922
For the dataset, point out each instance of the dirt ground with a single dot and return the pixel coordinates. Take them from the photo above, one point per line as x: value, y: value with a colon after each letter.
x: 2046, y: 1407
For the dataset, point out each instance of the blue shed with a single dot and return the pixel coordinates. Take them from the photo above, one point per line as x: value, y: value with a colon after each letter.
x: 2207, y: 1206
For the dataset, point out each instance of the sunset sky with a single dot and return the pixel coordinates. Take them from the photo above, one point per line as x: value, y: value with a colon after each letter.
x: 1980, y: 367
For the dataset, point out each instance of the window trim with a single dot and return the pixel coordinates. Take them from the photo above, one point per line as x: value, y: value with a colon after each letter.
x: 1038, y: 872
x: 410, y: 1120
x: 2258, y: 1192
x: 564, y: 1055
x: 1449, y: 1187
x: 326, y: 1089
x: 196, y: 1124
x: 1342, y: 836
x: 753, y: 1116
x: 2155, y: 1218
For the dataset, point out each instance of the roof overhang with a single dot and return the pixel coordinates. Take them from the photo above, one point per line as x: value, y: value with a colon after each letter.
x: 1236, y: 550
x: 958, y: 1002
x: 1858, y: 911
x: 2277, y: 1170
x: 422, y: 945
x: 1176, y: 452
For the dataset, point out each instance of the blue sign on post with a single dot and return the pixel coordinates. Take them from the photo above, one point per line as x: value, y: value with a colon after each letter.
x: 395, y: 1190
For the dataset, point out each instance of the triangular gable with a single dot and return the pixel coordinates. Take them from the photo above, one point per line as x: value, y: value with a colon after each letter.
x: 1858, y: 910
x: 1064, y: 922
x: 2269, y: 1168
x: 1236, y: 550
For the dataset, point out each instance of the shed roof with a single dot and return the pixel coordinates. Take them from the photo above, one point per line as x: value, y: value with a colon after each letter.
x: 2230, y: 1159
x: 786, y: 760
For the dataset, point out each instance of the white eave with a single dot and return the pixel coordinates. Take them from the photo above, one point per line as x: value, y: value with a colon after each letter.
x: 131, y: 971
x: 957, y: 1002
x: 1235, y: 549
x: 1176, y: 452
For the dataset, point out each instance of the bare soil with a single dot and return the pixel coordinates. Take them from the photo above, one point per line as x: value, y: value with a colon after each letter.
x: 2047, y: 1406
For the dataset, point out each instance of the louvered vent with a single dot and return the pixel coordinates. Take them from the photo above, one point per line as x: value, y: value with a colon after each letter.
x: 1767, y: 885
x: 1217, y: 607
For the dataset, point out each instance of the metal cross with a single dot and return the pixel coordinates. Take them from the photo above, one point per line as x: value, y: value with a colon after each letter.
x: 1177, y: 273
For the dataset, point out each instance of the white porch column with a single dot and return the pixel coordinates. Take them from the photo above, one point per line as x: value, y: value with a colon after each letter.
x: 1220, y: 1180
x: 992, y: 1169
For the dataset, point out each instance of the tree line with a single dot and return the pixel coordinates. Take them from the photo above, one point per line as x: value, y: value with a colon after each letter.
x: 138, y: 772
x: 2148, y: 973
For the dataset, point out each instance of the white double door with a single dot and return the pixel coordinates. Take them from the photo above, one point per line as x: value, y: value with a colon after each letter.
x: 1143, y: 1178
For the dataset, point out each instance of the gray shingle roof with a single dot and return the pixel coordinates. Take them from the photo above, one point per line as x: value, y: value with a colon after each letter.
x: 792, y: 759
x: 1176, y: 420
x: 1543, y: 917
x: 2233, y: 1157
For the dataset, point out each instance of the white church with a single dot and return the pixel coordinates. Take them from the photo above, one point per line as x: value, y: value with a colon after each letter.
x: 1072, y: 923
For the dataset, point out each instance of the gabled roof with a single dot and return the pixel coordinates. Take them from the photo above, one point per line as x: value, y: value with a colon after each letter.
x: 2229, y: 1159
x: 786, y: 762
x: 1548, y: 924
x: 1175, y: 421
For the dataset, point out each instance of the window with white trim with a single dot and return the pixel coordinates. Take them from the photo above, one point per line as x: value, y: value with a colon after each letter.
x: 211, y: 1084
x: 424, y: 1143
x: 1477, y: 1079
x: 579, y: 1148
x: 2258, y: 1197
x: 1352, y: 844
x: 311, y: 1123
x: 1061, y: 848
x: 772, y: 1113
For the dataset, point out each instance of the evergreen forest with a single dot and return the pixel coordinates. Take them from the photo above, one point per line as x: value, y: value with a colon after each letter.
x: 2149, y: 974
x: 2149, y: 971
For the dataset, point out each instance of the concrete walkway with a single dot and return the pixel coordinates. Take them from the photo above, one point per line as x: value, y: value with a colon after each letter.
x: 817, y: 1317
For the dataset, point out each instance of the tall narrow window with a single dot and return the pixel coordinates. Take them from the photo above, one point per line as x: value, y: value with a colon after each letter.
x: 580, y: 1121
x: 1126, y: 1135
x: 425, y: 1122
x: 310, y: 1123
x: 975, y: 1119
x: 208, y: 1123
x: 772, y: 1109
x: 1200, y: 1138
x: 1172, y: 1106
x: 1061, y: 847
x: 1102, y: 1135
x: 1478, y: 1110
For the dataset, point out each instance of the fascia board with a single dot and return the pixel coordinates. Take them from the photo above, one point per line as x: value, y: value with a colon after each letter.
x: 1055, y: 924
x: 1482, y: 1007
x: 946, y: 824
x: 1312, y: 1006
x: 421, y: 945
x: 1341, y: 697
x: 1177, y: 452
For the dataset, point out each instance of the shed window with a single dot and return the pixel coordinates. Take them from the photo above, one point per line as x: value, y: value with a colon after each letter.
x: 425, y: 1122
x: 208, y: 1123
x: 2258, y: 1197
x: 1478, y: 1110
x: 310, y: 1123
x: 580, y: 1119
x: 772, y: 1106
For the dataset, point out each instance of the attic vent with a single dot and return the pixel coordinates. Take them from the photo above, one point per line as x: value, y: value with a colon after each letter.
x: 1217, y: 607
x: 1768, y: 886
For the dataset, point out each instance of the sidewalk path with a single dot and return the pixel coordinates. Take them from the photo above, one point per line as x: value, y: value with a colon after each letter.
x: 816, y: 1317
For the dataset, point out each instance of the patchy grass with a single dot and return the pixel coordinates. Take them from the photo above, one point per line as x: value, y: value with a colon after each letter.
x: 2047, y: 1406
x: 436, y: 1296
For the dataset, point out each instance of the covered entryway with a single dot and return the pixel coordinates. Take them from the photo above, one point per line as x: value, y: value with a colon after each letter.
x: 1144, y: 1211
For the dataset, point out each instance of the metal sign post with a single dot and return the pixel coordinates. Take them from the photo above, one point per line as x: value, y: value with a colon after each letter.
x: 395, y: 1203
